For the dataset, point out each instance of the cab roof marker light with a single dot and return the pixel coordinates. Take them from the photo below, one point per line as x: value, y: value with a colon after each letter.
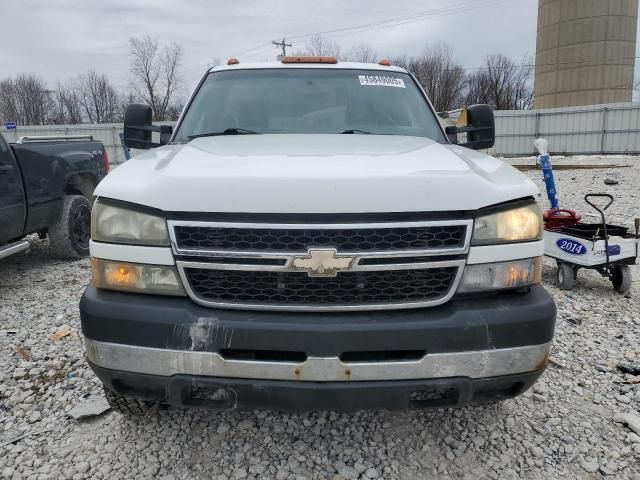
x: 309, y: 60
x: 385, y: 62
x: 233, y: 61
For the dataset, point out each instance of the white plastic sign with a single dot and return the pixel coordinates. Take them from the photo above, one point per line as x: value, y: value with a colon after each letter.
x: 381, y: 81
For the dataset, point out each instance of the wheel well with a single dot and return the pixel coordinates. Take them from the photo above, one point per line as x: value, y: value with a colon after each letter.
x: 81, y: 184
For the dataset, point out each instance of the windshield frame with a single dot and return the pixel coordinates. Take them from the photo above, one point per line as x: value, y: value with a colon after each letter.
x: 443, y: 140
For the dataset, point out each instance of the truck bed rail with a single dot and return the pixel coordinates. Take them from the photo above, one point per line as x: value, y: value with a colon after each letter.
x: 54, y: 138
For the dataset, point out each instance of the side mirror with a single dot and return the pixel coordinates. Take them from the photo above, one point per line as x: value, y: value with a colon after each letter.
x: 478, y: 123
x: 452, y: 133
x: 138, y: 129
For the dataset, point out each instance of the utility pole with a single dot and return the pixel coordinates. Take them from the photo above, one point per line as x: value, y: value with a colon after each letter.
x: 282, y: 44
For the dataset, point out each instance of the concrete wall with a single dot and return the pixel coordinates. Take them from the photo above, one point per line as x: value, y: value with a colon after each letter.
x: 585, y: 52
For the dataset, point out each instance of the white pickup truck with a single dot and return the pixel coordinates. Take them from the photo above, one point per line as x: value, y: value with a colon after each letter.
x: 310, y: 237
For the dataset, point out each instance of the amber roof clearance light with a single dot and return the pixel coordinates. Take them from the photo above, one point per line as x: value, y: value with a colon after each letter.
x: 309, y: 60
x: 233, y: 61
x: 385, y: 62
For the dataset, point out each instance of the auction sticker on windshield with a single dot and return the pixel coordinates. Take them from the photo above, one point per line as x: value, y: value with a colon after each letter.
x: 381, y: 80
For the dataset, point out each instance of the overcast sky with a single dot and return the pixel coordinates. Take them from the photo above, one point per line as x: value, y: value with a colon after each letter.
x: 58, y: 39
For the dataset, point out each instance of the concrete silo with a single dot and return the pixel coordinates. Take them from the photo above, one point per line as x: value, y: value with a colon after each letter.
x: 585, y: 52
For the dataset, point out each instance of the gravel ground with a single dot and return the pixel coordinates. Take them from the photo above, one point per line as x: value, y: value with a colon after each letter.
x: 563, y: 427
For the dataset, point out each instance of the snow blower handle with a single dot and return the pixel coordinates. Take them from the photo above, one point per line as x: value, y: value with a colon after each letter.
x: 604, y: 224
x: 602, y: 195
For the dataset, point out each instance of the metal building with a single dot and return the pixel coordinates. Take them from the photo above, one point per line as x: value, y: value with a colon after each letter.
x: 585, y: 52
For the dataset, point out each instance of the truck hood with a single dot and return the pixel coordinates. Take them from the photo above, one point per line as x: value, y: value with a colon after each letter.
x: 315, y: 174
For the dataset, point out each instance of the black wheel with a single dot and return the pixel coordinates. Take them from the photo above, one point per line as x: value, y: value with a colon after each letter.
x: 621, y: 278
x: 69, y: 238
x: 128, y: 406
x: 566, y: 276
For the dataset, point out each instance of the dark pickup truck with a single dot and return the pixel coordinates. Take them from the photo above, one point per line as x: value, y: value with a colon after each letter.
x: 46, y: 185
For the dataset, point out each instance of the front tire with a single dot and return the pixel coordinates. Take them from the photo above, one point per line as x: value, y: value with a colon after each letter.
x: 621, y: 278
x: 128, y: 406
x: 69, y: 238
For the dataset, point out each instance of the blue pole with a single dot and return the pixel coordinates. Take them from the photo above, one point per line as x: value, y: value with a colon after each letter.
x: 549, y: 181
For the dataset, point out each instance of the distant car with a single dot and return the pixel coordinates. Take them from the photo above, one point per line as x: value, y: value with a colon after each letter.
x: 46, y: 185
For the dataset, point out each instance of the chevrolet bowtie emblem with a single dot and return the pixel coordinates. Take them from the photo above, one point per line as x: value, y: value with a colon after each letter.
x: 322, y: 262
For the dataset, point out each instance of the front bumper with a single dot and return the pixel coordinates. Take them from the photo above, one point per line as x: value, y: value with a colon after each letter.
x: 168, y: 348
x: 301, y: 396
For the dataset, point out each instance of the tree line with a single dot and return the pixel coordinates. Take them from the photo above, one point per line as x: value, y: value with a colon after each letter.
x: 92, y: 98
x: 155, y: 80
x: 498, y: 81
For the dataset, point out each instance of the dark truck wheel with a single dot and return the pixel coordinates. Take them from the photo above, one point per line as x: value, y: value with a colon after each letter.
x: 127, y: 406
x: 69, y: 238
x: 621, y: 278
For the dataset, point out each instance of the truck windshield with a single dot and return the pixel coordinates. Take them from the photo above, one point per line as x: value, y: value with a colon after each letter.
x: 314, y: 100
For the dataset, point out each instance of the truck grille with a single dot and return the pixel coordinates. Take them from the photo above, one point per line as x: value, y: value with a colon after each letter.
x: 298, y: 289
x: 298, y: 240
x: 316, y: 266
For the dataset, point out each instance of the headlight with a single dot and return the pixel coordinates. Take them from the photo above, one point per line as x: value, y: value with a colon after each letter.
x: 135, y: 277
x: 122, y: 225
x: 516, y: 225
x: 502, y: 275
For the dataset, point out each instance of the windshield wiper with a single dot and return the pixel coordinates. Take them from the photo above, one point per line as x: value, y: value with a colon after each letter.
x: 355, y: 130
x: 226, y: 131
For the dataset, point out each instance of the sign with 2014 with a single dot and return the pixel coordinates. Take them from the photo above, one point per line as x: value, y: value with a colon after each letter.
x: 570, y: 246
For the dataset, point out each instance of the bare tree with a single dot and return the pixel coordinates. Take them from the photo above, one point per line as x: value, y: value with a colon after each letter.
x: 361, y: 53
x: 319, y: 46
x: 25, y: 99
x: 155, y: 72
x: 67, y: 107
x: 127, y: 99
x: 9, y: 108
x: 175, y: 109
x: 442, y: 78
x: 502, y: 83
x: 99, y: 99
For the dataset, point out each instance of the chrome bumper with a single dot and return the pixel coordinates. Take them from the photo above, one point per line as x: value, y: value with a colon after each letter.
x: 165, y: 363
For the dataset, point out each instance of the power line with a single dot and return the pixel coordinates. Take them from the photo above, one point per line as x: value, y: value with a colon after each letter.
x: 392, y: 22
x: 262, y: 46
x: 407, y: 19
x: 386, y: 23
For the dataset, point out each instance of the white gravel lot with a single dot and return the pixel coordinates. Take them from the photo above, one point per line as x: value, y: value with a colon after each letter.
x: 563, y: 427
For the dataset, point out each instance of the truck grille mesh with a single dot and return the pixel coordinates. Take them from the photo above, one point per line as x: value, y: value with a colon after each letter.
x: 298, y: 289
x: 299, y: 240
